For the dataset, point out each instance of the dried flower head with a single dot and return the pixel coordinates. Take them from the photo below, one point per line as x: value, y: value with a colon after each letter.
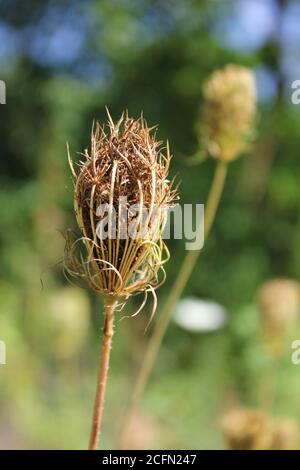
x: 286, y: 435
x: 246, y: 429
x: 228, y: 112
x: 253, y: 429
x: 122, y: 194
x: 279, y: 304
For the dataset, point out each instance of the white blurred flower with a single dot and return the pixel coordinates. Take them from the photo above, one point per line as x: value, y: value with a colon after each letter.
x: 197, y: 315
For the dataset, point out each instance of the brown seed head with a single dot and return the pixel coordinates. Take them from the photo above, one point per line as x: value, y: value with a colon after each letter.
x: 279, y: 302
x: 286, y: 435
x: 228, y: 112
x: 253, y: 429
x: 121, y: 197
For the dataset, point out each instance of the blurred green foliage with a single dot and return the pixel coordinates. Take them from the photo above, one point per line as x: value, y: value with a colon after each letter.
x: 63, y: 62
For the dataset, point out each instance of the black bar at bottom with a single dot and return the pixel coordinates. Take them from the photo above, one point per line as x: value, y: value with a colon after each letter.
x: 134, y: 459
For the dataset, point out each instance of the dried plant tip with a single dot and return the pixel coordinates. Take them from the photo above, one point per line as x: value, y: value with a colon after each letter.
x: 286, y: 435
x: 246, y: 429
x: 279, y: 302
x: 121, y: 198
x: 228, y: 112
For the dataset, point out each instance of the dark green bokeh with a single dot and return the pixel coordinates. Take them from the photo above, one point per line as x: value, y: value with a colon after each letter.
x: 151, y: 56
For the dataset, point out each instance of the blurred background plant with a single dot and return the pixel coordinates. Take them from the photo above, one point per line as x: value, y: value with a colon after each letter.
x: 62, y: 63
x: 250, y: 429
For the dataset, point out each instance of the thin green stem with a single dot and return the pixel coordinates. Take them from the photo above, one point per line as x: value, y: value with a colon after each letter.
x: 175, y: 293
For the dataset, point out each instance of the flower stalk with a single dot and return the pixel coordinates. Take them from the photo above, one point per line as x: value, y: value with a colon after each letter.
x: 108, y: 331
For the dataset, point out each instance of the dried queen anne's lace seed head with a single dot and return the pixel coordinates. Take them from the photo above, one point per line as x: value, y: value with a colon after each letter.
x: 279, y: 302
x: 247, y: 429
x: 228, y: 112
x: 286, y: 435
x: 121, y: 198
x: 254, y: 429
